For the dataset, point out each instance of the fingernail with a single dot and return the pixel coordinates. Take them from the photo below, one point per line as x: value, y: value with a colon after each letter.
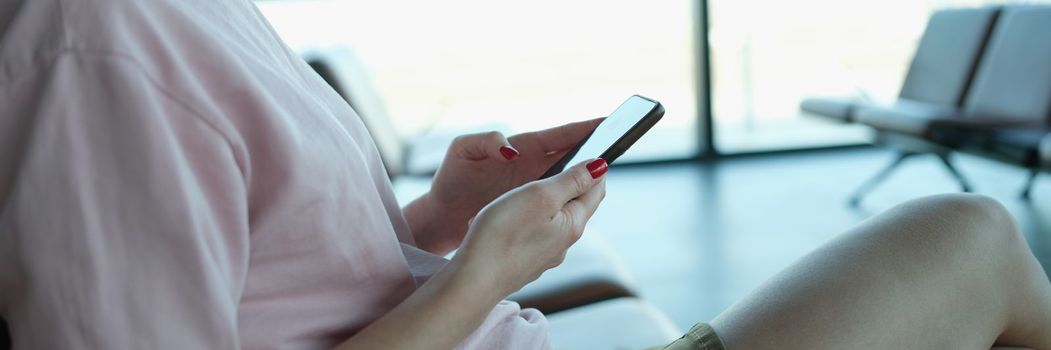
x: 597, y: 168
x: 508, y: 152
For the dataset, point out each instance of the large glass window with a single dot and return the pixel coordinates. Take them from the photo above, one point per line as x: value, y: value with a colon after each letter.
x: 449, y: 67
x: 445, y: 68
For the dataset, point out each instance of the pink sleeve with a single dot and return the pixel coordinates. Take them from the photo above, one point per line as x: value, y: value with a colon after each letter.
x: 123, y: 222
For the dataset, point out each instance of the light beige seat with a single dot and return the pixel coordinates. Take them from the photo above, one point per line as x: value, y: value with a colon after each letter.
x: 623, y: 323
x: 835, y: 108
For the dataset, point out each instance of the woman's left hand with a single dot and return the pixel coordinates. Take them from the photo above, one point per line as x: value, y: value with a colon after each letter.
x: 477, y: 169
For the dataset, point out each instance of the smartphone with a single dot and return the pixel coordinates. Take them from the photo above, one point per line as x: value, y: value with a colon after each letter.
x: 614, y: 135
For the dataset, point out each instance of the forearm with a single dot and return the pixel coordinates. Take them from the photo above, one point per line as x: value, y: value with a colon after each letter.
x: 435, y: 229
x: 439, y: 315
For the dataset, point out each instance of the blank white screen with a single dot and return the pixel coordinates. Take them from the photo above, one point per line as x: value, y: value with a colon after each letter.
x: 616, y: 125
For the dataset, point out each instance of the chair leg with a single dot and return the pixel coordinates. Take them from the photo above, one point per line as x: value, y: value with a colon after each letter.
x: 964, y: 184
x: 1033, y: 173
x: 867, y: 186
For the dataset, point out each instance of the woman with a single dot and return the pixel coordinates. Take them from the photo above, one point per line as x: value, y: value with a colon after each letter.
x: 174, y: 177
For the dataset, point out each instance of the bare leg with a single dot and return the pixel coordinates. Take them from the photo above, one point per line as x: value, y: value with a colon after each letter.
x: 944, y: 272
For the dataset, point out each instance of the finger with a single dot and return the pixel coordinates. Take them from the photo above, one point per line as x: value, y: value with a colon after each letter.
x: 580, y: 210
x: 559, y: 138
x: 575, y: 181
x: 484, y: 145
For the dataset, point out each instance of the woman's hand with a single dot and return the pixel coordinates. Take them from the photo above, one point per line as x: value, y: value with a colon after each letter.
x: 511, y: 242
x: 477, y: 169
x: 528, y: 230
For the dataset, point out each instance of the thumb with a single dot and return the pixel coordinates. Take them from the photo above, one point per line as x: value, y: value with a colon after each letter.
x: 577, y: 180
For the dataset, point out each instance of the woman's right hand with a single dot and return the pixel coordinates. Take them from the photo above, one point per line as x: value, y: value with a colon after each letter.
x: 529, y: 229
x: 510, y: 243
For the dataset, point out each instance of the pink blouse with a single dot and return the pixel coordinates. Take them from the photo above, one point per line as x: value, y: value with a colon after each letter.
x: 173, y: 176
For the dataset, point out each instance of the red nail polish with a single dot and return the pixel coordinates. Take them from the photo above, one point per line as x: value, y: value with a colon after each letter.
x: 597, y: 168
x: 508, y: 152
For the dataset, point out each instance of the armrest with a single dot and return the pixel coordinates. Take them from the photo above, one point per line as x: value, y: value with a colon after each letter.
x: 591, y: 272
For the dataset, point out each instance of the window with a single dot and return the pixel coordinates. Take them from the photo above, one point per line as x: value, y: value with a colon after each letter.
x: 445, y: 68
x: 450, y: 67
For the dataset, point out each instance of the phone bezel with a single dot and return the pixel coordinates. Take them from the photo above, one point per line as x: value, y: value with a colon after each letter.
x: 621, y: 145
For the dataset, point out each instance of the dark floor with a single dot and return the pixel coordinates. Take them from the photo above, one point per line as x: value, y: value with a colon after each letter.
x: 700, y: 236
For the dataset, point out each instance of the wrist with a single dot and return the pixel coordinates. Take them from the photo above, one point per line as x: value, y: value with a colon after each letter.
x: 435, y: 227
x: 421, y: 216
x: 478, y: 281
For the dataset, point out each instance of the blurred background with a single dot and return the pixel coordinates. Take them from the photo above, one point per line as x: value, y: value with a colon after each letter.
x: 735, y: 182
x: 456, y: 66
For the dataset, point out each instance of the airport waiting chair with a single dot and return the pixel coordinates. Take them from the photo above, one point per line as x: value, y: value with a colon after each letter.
x: 941, y: 68
x: 1016, y: 90
x: 1011, y: 89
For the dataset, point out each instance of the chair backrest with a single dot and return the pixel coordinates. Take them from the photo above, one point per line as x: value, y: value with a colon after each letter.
x: 949, y: 50
x: 1013, y: 80
x: 343, y: 70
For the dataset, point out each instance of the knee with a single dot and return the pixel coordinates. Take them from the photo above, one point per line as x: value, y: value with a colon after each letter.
x: 972, y: 221
x: 969, y: 209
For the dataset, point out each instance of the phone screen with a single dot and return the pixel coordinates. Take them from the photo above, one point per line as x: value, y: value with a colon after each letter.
x: 610, y: 130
